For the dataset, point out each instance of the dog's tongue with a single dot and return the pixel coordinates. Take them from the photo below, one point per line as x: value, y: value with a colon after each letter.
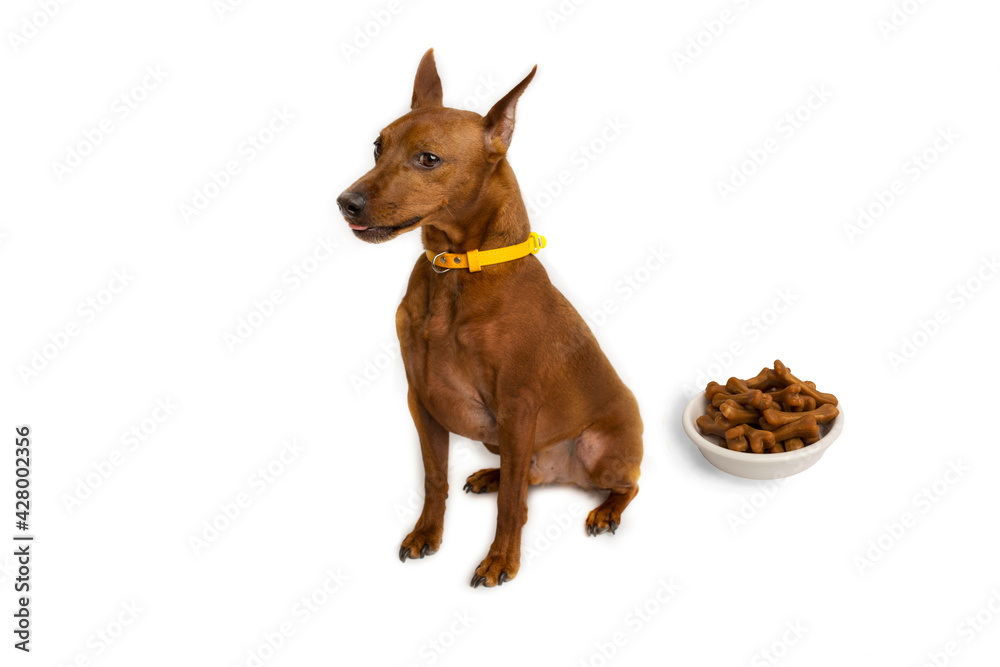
x: 357, y: 228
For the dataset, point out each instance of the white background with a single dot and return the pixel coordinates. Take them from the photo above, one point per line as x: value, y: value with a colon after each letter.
x: 748, y: 557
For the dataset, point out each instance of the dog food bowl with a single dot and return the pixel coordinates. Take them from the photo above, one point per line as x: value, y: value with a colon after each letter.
x: 758, y: 466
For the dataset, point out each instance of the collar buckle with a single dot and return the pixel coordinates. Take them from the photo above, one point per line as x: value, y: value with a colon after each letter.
x: 537, y: 242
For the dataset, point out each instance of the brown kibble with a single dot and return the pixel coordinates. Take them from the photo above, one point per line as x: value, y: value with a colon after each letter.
x: 775, y: 380
x: 760, y: 381
x: 808, y: 403
x: 770, y: 413
x: 721, y: 421
x: 783, y: 373
x: 707, y: 426
x: 759, y: 400
x: 794, y: 443
x: 759, y: 440
x: 757, y: 379
x: 737, y: 386
x: 822, y: 414
x: 755, y: 398
x: 738, y: 445
x: 714, y: 388
x: 737, y: 414
x: 804, y: 427
x: 789, y: 395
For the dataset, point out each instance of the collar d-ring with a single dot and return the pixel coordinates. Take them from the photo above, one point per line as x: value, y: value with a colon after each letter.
x: 434, y: 264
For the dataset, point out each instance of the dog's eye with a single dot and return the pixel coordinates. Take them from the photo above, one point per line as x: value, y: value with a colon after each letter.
x: 428, y: 160
x: 378, y: 148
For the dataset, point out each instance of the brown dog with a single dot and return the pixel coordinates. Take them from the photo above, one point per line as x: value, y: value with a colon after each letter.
x: 493, y: 353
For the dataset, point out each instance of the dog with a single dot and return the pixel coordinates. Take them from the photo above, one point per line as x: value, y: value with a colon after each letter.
x: 492, y: 350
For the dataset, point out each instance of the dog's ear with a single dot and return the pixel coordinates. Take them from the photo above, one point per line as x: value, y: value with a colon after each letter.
x: 499, y: 122
x: 427, y: 85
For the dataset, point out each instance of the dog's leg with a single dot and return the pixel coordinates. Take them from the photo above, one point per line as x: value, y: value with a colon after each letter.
x: 616, y: 469
x: 517, y: 438
x: 426, y: 536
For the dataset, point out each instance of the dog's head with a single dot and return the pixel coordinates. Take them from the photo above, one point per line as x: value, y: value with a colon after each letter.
x: 431, y: 165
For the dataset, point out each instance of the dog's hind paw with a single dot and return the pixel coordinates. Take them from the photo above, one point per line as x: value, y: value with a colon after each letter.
x: 607, y: 516
x: 484, y: 481
x: 600, y: 521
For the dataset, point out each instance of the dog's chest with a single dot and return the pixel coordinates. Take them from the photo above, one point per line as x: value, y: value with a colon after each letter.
x: 444, y: 356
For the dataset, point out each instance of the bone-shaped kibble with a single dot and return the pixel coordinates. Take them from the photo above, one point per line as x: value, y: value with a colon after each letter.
x: 788, y: 395
x: 759, y: 440
x: 720, y: 420
x: 736, y: 439
x: 808, y: 405
x: 714, y: 388
x: 794, y: 443
x: 759, y: 379
x: 755, y: 398
x: 822, y: 415
x: 804, y: 427
x: 737, y: 386
x: 787, y: 411
x: 707, y: 426
x: 786, y: 376
x: 738, y: 444
x: 737, y: 414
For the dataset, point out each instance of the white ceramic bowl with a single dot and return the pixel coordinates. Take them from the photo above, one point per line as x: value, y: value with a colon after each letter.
x: 758, y: 466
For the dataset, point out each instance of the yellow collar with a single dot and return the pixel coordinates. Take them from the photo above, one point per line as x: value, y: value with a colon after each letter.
x: 475, y: 260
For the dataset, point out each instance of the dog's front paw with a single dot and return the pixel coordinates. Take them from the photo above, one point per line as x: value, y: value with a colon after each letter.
x: 421, y: 542
x: 494, y: 570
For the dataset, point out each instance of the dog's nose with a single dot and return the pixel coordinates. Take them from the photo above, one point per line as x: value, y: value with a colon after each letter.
x: 351, y: 204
